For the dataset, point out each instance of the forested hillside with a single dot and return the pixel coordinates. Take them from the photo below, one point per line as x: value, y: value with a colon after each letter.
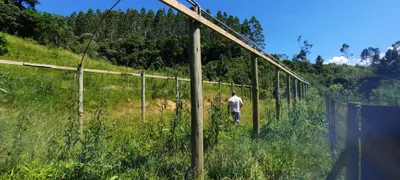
x: 158, y: 40
x: 39, y: 127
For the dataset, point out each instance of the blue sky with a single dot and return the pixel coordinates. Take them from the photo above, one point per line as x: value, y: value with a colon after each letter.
x: 325, y: 23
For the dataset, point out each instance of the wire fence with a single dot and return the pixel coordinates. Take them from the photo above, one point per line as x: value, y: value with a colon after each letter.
x: 364, y: 140
x: 337, y: 126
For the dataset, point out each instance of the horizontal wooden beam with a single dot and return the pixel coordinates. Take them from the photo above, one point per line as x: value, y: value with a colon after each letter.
x: 49, y: 66
x: 183, y: 9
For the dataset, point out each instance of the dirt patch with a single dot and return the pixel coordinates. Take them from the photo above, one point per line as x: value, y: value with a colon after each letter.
x: 166, y: 105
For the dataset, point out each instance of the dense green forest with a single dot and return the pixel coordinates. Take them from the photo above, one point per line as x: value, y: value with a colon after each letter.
x: 158, y: 40
x: 38, y: 123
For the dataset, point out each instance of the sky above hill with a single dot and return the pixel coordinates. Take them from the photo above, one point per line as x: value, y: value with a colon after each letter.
x: 327, y: 24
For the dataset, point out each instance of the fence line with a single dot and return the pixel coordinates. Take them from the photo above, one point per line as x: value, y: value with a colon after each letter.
x: 38, y: 65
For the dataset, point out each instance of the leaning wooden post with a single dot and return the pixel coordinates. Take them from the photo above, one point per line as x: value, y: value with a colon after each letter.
x: 80, y: 98
x: 196, y: 97
x: 288, y: 89
x: 143, y: 95
x: 277, y: 100
x: 352, y: 141
x: 256, y: 122
x: 294, y: 89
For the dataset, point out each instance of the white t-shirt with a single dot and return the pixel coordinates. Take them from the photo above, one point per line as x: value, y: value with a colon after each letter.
x: 235, y: 102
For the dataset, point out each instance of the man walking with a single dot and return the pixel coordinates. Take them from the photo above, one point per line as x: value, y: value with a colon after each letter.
x: 234, y: 105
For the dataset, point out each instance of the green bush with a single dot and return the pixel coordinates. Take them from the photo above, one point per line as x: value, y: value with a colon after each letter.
x: 3, y: 45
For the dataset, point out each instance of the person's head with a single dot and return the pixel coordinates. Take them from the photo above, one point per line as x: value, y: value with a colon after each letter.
x: 233, y: 93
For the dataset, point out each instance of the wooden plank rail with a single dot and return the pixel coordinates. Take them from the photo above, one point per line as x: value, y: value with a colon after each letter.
x: 49, y: 66
x: 196, y: 16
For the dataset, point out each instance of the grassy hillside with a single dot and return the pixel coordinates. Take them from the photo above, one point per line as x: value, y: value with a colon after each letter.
x: 40, y: 138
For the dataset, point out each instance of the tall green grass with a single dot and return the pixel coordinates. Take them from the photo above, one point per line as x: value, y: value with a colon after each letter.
x: 40, y: 134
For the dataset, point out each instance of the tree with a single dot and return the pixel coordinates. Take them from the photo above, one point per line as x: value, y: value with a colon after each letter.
x: 370, y: 56
x: 318, y: 66
x: 305, y: 47
x: 9, y: 15
x: 389, y: 65
x: 256, y: 33
x: 345, y: 50
x: 54, y: 30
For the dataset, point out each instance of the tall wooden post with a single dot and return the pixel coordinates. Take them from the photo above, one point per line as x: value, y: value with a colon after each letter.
x: 232, y: 88
x: 277, y: 100
x: 80, y: 98
x: 288, y: 89
x: 251, y: 93
x: 219, y: 92
x: 352, y: 141
x: 299, y: 89
x: 242, y: 92
x: 196, y: 97
x: 177, y: 88
x: 143, y: 95
x: 302, y: 90
x: 256, y: 122
x: 294, y: 89
x: 219, y: 86
x: 305, y: 88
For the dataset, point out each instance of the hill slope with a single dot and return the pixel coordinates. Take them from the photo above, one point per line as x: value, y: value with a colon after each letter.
x: 40, y: 138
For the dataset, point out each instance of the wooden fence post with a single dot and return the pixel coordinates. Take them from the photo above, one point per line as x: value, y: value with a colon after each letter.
x: 80, y: 98
x: 352, y: 141
x: 251, y: 93
x: 288, y: 90
x: 299, y: 89
x: 232, y: 88
x: 177, y: 89
x: 256, y: 122
x: 219, y: 86
x: 143, y: 95
x: 294, y: 89
x: 196, y: 97
x: 242, y: 91
x: 277, y: 100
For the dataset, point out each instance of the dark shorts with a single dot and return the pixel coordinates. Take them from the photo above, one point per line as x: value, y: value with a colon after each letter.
x: 236, y: 116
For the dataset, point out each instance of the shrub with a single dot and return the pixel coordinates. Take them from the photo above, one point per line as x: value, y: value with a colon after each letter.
x: 3, y: 45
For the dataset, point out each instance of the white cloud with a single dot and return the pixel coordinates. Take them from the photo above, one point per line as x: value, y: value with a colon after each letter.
x: 344, y: 60
x: 381, y: 55
x: 338, y: 60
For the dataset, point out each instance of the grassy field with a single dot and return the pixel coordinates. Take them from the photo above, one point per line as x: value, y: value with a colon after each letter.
x: 40, y: 138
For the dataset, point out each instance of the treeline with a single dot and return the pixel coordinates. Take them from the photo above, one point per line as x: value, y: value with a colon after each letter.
x: 158, y: 40
x: 140, y: 39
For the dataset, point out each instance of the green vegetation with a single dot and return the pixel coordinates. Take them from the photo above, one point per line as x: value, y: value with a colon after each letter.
x: 40, y: 132
x: 3, y: 45
x: 39, y: 129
